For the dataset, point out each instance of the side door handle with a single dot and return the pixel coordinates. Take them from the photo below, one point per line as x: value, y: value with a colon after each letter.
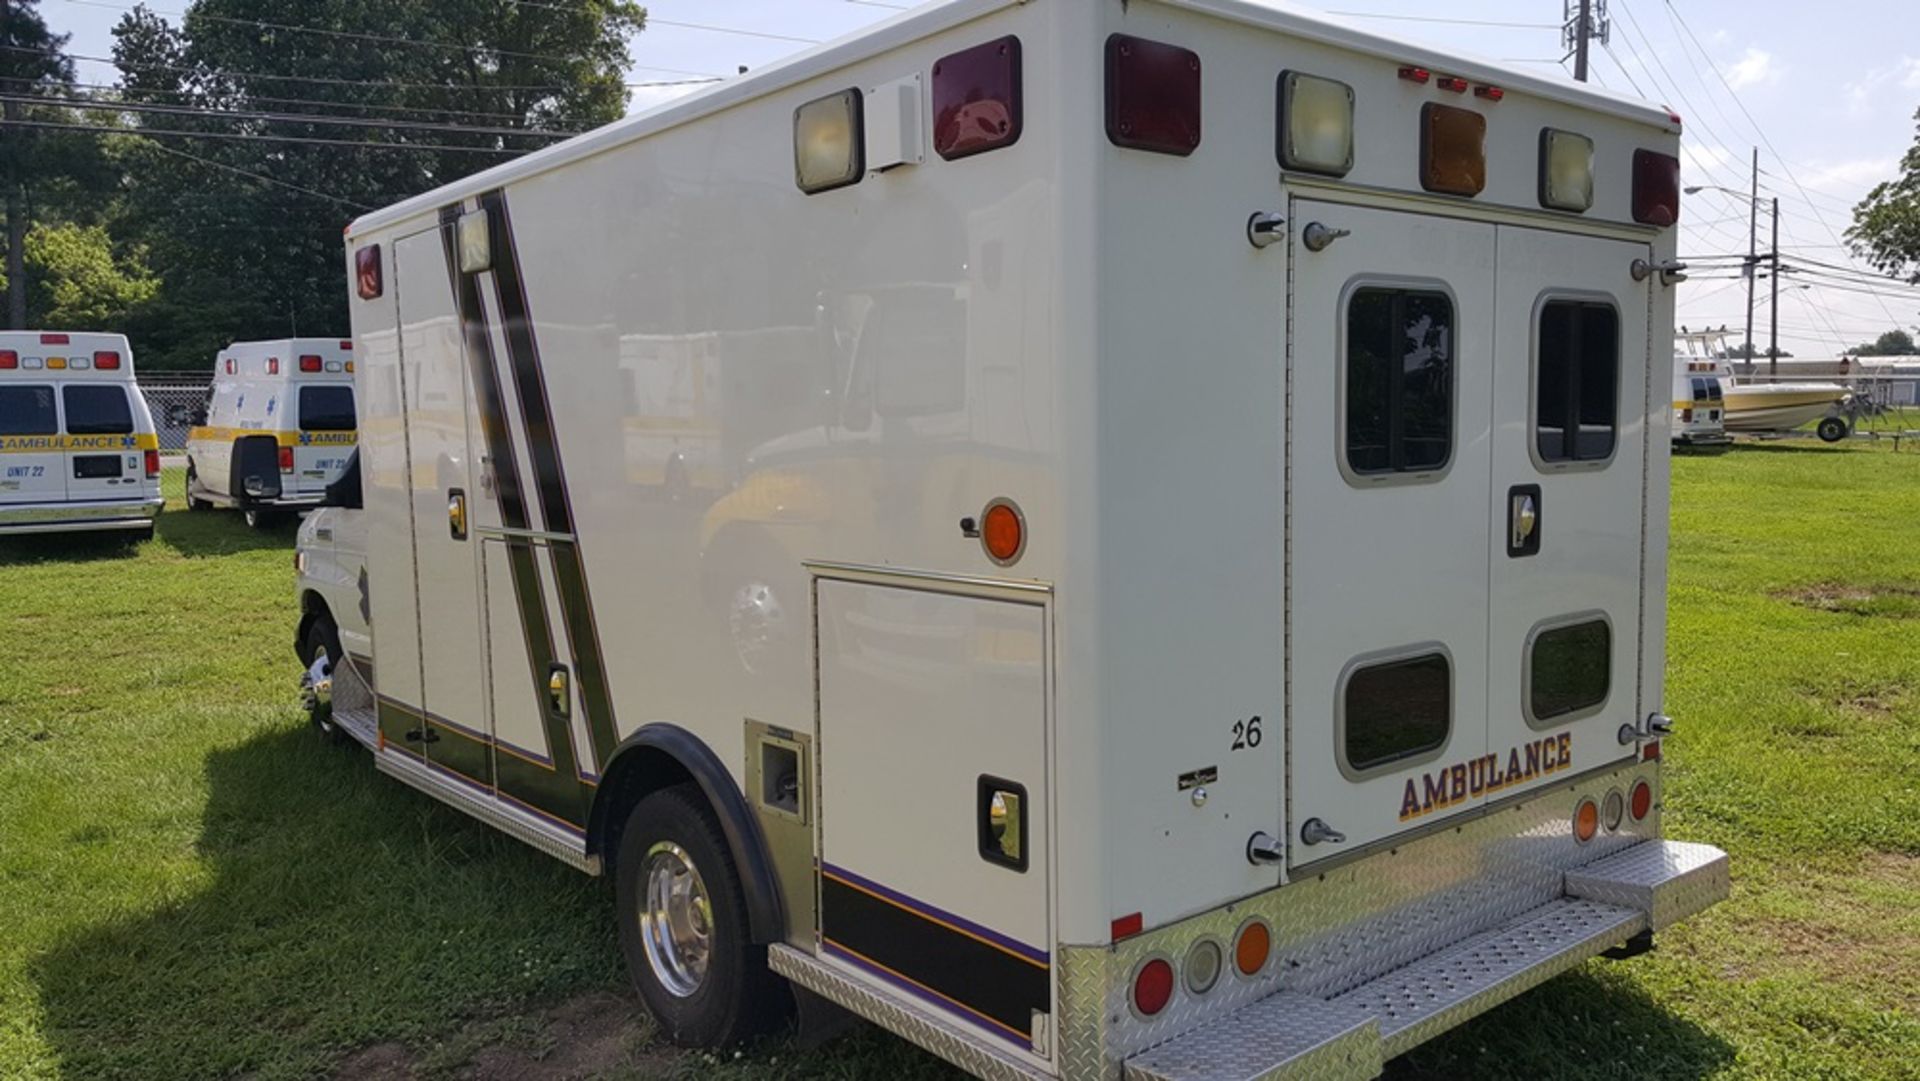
x: 457, y: 514
x: 1523, y: 521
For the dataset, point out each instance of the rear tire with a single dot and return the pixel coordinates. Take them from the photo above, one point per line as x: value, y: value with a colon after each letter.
x: 193, y: 481
x: 683, y: 926
x: 1833, y: 430
x: 323, y: 640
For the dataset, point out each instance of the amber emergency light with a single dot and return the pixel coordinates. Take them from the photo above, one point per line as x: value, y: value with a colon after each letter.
x: 1453, y: 150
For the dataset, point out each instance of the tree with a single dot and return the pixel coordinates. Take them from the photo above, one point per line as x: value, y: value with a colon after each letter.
x: 1894, y: 343
x: 1886, y: 224
x: 76, y: 278
x: 246, y: 234
x: 31, y: 65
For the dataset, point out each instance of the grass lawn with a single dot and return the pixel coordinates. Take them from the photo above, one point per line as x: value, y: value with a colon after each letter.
x: 192, y: 885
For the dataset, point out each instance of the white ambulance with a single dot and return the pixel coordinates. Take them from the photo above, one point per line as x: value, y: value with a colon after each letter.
x: 279, y: 428
x: 1194, y: 607
x: 78, y: 449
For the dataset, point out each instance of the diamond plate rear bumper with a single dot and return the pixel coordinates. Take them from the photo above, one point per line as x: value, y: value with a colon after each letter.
x: 1351, y: 1035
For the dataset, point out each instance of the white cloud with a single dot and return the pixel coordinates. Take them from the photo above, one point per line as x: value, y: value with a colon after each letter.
x: 1903, y: 73
x: 1910, y: 78
x: 1754, y: 68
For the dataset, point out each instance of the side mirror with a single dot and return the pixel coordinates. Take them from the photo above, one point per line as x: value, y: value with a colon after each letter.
x: 345, y: 492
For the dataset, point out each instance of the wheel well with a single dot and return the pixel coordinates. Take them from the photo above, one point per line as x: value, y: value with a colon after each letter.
x: 312, y: 607
x: 662, y: 756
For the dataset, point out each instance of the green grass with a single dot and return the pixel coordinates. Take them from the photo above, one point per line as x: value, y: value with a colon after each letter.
x: 193, y: 886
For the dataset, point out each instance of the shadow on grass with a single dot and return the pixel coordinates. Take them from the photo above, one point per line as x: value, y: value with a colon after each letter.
x: 334, y: 909
x: 1807, y: 445
x: 197, y: 534
x: 42, y: 548
x: 1593, y: 1023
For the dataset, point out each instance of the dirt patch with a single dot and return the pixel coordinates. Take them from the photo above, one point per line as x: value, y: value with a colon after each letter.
x: 1893, y: 869
x: 595, y: 1035
x: 1893, y: 602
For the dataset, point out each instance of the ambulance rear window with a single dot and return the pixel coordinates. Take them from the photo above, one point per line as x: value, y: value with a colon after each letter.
x: 1397, y: 710
x: 97, y: 410
x: 27, y: 411
x: 326, y: 409
x: 1577, y: 387
x: 1399, y: 390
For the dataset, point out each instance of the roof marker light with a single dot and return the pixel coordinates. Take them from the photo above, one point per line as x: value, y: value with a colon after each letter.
x: 1453, y: 84
x: 1453, y: 145
x: 1153, y: 96
x: 346, y: 345
x: 1316, y: 124
x: 55, y: 339
x: 1416, y: 75
x: 1491, y: 93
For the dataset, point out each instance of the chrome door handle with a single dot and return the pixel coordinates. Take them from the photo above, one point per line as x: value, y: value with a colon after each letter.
x: 1318, y: 237
x: 1523, y: 520
x: 1266, y: 228
x: 457, y: 514
x: 1317, y: 832
x: 559, y: 692
x: 1264, y: 849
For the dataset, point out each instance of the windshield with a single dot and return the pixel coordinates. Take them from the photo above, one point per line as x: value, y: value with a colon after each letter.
x: 326, y: 409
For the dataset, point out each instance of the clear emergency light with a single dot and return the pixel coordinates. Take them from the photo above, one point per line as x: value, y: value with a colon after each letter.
x: 829, y: 150
x: 1316, y: 124
x: 80, y: 364
x: 1566, y: 171
x: 476, y: 245
x: 1453, y: 150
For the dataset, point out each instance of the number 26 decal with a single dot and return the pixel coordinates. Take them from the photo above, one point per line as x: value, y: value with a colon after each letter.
x: 1247, y: 734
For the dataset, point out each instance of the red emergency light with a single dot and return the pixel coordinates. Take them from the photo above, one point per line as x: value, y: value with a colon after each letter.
x: 1153, y: 96
x: 9, y: 360
x: 1656, y: 188
x: 106, y: 361
x: 310, y: 364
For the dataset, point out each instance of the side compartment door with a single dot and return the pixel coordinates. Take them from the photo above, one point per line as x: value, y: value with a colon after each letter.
x: 1389, y: 523
x: 1572, y: 398
x: 934, y: 808
x: 31, y: 464
x: 455, y: 736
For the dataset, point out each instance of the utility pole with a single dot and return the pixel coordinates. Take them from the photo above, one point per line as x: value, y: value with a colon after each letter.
x: 1753, y: 251
x: 16, y: 207
x: 1583, y: 22
x: 1773, y: 336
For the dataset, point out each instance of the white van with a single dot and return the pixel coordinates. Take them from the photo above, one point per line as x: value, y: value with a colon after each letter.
x: 1188, y: 602
x: 279, y: 428
x: 78, y: 449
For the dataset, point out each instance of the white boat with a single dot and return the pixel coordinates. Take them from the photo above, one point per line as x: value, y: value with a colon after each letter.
x: 1755, y: 405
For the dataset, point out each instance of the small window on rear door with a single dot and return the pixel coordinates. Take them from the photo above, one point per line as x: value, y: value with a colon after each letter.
x: 1569, y: 672
x: 1396, y: 710
x: 1577, y: 382
x: 27, y: 411
x: 1399, y: 382
x: 326, y: 409
x: 97, y: 410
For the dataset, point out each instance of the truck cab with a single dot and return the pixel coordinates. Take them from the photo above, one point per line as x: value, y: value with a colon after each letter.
x: 78, y: 450
x: 280, y: 423
x: 1699, y: 401
x: 330, y: 581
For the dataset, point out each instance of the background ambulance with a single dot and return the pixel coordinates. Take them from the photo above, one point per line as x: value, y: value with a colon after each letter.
x: 279, y: 428
x: 77, y: 446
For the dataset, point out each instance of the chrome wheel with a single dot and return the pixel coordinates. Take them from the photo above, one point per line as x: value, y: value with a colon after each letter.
x: 757, y: 619
x: 676, y: 920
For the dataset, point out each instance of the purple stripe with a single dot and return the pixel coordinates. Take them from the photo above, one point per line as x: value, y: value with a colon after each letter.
x: 1037, y: 956
x: 924, y: 995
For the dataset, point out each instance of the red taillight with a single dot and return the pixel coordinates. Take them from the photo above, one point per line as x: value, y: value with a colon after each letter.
x: 1153, y: 96
x: 1642, y: 802
x: 286, y: 459
x: 106, y: 361
x: 153, y: 464
x: 1416, y: 75
x: 230, y: 365
x: 1686, y: 416
x: 366, y: 266
x: 976, y: 99
x: 309, y: 364
x: 1153, y: 987
x: 55, y: 339
x: 1656, y: 188
x: 1452, y: 84
x: 9, y: 360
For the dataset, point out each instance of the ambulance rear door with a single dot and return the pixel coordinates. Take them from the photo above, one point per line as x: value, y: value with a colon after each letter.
x: 29, y: 434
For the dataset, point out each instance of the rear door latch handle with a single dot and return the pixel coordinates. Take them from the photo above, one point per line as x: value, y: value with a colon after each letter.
x: 1314, y: 832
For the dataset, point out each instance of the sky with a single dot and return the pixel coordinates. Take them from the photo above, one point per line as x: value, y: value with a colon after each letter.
x: 1827, y: 91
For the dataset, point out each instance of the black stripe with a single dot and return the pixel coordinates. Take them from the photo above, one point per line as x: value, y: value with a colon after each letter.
x: 543, y: 445
x: 556, y: 791
x: 980, y: 976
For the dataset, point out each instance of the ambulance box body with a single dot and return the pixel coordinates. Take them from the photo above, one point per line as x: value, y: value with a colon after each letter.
x: 1181, y: 579
x: 78, y: 450
x: 280, y: 425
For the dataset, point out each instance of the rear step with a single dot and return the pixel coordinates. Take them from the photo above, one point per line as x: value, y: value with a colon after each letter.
x: 1353, y: 1034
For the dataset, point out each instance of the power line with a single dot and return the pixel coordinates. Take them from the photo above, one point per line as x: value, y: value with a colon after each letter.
x: 99, y: 89
x: 261, y: 177
x: 218, y: 73
x: 288, y: 118
x: 89, y: 129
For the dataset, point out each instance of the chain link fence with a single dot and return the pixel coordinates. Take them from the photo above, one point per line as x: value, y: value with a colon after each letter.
x: 176, y: 400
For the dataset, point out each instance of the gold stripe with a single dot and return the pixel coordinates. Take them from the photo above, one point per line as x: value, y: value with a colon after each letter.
x: 285, y: 439
x: 995, y: 1022
x: 65, y: 444
x: 935, y: 920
